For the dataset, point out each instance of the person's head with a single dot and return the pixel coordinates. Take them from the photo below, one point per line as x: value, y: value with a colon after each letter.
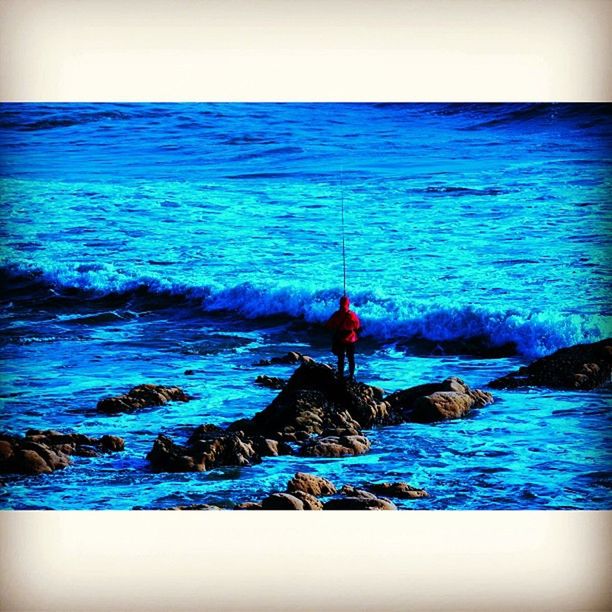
x: 344, y: 302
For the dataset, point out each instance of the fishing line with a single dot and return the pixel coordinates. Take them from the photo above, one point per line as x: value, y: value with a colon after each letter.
x: 343, y: 244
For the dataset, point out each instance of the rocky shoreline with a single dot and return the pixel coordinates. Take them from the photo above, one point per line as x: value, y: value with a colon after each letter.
x: 580, y: 367
x: 42, y: 452
x: 310, y: 492
x: 314, y: 415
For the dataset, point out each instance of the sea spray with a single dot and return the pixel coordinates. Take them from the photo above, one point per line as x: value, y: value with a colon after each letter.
x: 535, y: 333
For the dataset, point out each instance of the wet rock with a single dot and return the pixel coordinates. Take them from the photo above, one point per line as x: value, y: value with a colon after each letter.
x: 579, y: 367
x: 433, y: 402
x: 248, y: 506
x: 142, y: 396
x: 341, y: 431
x: 166, y: 456
x: 314, y: 402
x: 359, y: 503
x: 477, y: 346
x: 317, y: 410
x: 6, y: 451
x: 441, y: 406
x: 204, y: 430
x: 350, y: 491
x: 282, y: 501
x: 112, y: 444
x: 27, y: 461
x: 40, y: 452
x: 311, y: 484
x: 272, y: 382
x: 189, y: 372
x: 196, y: 507
x: 397, y: 489
x: 210, y: 447
x: 52, y: 457
x: 335, y: 446
x: 310, y: 501
x: 290, y: 358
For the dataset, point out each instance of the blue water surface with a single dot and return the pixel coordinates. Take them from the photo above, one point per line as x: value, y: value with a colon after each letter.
x: 143, y: 240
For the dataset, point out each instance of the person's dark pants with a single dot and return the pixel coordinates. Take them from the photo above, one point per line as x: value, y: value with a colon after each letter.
x: 349, y: 351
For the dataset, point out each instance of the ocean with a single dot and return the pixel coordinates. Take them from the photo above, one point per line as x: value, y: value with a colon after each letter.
x: 141, y: 241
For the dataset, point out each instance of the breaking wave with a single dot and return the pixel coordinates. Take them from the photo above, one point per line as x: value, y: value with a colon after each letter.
x: 386, y: 319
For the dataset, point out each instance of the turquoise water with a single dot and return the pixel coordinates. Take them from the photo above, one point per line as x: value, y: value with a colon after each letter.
x: 142, y: 240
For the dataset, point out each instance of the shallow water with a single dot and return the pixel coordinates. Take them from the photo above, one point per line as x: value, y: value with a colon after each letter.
x: 144, y: 240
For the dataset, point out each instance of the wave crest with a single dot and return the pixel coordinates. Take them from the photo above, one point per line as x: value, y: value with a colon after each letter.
x: 386, y: 319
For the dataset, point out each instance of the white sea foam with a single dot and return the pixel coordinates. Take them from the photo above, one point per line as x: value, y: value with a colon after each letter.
x: 535, y: 333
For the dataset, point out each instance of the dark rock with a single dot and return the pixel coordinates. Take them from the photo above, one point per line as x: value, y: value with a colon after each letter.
x: 30, y: 462
x: 313, y: 402
x: 579, y: 367
x: 53, y: 458
x: 310, y: 501
x: 195, y: 507
x: 432, y: 402
x: 272, y: 382
x: 6, y: 452
x: 335, y: 446
x: 189, y: 372
x: 204, y: 430
x: 112, y: 444
x: 477, y: 346
x: 142, y: 396
x: 290, y: 358
x: 311, y: 484
x: 317, y: 410
x: 350, y: 491
x: 282, y: 501
x: 248, y: 506
x: 396, y: 489
x: 41, y: 452
x: 211, y: 447
x: 359, y: 503
x: 166, y: 456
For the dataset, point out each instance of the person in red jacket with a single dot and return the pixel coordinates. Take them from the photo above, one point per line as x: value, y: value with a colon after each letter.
x: 345, y: 325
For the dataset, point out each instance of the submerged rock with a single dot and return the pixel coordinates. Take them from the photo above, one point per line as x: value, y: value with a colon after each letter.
x: 211, y: 447
x: 428, y: 403
x: 142, y: 396
x: 397, y: 489
x: 579, y: 367
x: 42, y: 452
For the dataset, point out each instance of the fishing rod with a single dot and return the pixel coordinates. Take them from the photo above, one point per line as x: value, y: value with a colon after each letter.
x: 343, y: 241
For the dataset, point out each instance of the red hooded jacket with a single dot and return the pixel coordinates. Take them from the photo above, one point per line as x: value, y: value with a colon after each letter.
x: 344, y: 323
